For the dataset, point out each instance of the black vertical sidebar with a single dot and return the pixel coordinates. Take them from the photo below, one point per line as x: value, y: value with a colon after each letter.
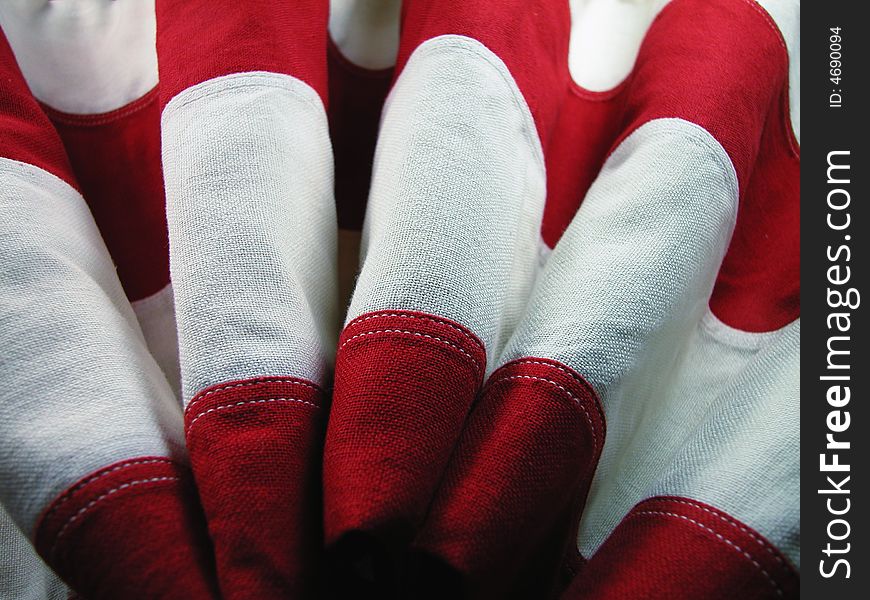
x: 835, y: 349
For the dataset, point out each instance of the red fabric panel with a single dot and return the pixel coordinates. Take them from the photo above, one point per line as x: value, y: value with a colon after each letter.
x: 530, y: 36
x: 131, y: 530
x: 718, y: 63
x: 198, y: 40
x: 681, y: 549
x: 758, y: 288
x: 737, y: 89
x: 404, y: 382
x: 356, y: 97
x: 26, y: 134
x: 253, y: 447
x: 116, y: 159
x: 509, y: 505
x: 588, y: 123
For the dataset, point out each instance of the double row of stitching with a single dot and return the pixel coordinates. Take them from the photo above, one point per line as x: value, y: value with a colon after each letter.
x: 90, y: 505
x: 566, y: 371
x: 565, y: 390
x: 129, y: 463
x: 761, y: 541
x: 718, y: 535
x: 474, y: 361
x: 244, y: 403
x: 432, y: 319
x: 249, y: 383
x: 224, y: 85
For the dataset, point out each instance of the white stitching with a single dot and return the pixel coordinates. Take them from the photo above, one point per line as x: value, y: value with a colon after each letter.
x: 718, y: 535
x: 70, y: 492
x: 747, y: 531
x: 564, y: 389
x: 258, y: 381
x: 529, y: 361
x: 93, y: 502
x: 471, y: 337
x: 243, y: 403
x: 418, y: 334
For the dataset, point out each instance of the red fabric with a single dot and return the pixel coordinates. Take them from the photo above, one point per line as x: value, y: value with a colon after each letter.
x: 198, y: 40
x: 356, y: 97
x: 509, y: 505
x: 404, y: 382
x: 758, y: 287
x: 253, y: 448
x: 717, y: 63
x: 588, y: 123
x: 736, y: 88
x: 26, y: 134
x: 530, y: 36
x: 131, y: 530
x: 681, y: 549
x: 721, y: 64
x: 116, y: 159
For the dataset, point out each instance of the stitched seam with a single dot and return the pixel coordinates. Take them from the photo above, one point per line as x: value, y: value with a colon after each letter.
x: 583, y: 383
x: 258, y: 381
x: 761, y: 542
x: 270, y: 81
x: 768, y: 20
x: 100, y: 498
x: 695, y: 134
x: 473, y: 360
x: 243, y: 403
x: 777, y: 32
x: 529, y: 361
x: 468, y: 335
x: 70, y: 492
x: 740, y: 339
x: 97, y: 119
x: 721, y: 537
x: 576, y: 400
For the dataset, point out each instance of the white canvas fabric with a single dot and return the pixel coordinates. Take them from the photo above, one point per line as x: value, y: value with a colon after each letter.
x: 366, y: 31
x: 248, y: 168
x: 81, y: 390
x: 605, y: 38
x: 156, y: 316
x: 694, y: 408
x: 632, y: 274
x: 83, y: 56
x: 23, y: 575
x: 457, y: 193
x: 723, y: 428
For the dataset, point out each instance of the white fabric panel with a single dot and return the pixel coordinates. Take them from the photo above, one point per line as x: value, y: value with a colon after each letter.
x: 366, y: 31
x: 605, y: 38
x: 458, y: 187
x: 83, y: 56
x: 79, y: 389
x: 23, y: 575
x: 724, y: 429
x: 156, y: 316
x: 632, y: 274
x: 252, y: 232
x: 787, y: 15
